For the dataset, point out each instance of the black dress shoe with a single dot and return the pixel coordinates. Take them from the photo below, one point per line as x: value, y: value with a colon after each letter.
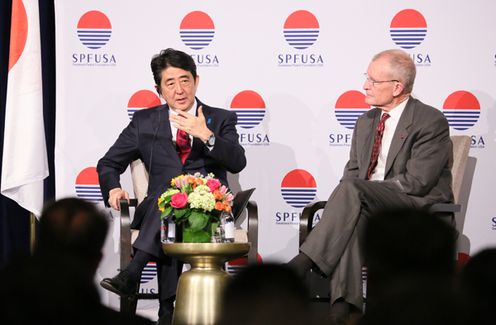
x: 121, y: 284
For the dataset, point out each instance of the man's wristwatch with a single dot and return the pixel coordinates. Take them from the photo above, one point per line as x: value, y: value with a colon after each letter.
x: 211, y: 141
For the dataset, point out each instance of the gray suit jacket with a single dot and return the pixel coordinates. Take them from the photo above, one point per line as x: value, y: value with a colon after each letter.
x: 420, y: 157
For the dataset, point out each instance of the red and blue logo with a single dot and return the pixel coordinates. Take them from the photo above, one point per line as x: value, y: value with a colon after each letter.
x: 298, y: 188
x: 94, y: 29
x: 249, y: 106
x: 462, y: 109
x: 88, y: 186
x: 301, y: 29
x: 149, y: 272
x: 237, y: 265
x: 142, y: 99
x: 197, y: 30
x: 349, y: 107
x: 408, y: 29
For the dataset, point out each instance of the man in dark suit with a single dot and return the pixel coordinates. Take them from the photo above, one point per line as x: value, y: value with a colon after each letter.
x: 401, y: 156
x: 182, y: 136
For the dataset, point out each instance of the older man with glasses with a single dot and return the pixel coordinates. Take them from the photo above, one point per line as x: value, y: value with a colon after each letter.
x: 400, y: 156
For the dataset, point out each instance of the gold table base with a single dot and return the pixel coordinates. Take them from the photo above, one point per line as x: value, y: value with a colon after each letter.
x: 198, y: 297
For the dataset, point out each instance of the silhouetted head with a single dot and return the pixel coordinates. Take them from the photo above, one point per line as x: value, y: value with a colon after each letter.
x: 72, y: 227
x: 403, y: 241
x: 266, y: 294
x: 478, y: 286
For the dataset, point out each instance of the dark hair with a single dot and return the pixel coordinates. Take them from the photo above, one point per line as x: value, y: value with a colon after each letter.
x: 266, y: 294
x: 72, y: 226
x: 407, y: 245
x: 478, y: 286
x: 171, y: 58
x: 409, y: 241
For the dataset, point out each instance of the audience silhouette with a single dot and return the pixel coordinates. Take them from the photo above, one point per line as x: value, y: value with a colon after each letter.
x: 56, y: 284
x: 266, y: 294
x: 478, y: 287
x: 410, y: 258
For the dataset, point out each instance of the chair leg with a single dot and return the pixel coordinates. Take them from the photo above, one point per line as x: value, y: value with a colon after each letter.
x: 129, y: 304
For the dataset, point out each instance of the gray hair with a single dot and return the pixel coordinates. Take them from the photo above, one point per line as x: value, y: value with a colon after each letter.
x: 402, y: 67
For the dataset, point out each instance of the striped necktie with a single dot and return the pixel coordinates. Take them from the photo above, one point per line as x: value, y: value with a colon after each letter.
x: 379, y: 131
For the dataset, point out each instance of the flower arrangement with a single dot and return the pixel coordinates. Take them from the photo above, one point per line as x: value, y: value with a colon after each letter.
x: 195, y: 202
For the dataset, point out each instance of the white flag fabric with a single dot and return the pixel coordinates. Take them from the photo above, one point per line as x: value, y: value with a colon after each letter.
x: 25, y: 162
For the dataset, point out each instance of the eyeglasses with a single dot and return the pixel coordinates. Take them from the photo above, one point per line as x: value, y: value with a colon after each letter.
x: 376, y: 82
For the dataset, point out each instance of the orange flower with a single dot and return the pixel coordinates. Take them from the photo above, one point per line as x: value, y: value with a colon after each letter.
x: 191, y: 179
x: 227, y: 207
x: 217, y: 195
x: 199, y: 181
x: 219, y: 206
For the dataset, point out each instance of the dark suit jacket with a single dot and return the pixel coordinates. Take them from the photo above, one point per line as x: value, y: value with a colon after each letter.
x: 420, y: 157
x: 148, y: 137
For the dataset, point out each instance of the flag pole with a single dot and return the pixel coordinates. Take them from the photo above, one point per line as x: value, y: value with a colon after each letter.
x: 32, y: 232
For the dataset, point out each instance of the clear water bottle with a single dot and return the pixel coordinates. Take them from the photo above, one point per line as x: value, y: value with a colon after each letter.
x: 227, y: 226
x: 171, y: 230
x: 163, y: 230
x: 167, y: 230
x: 217, y: 236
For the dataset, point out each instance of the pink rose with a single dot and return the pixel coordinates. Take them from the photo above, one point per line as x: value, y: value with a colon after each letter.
x: 213, y: 184
x: 179, y: 200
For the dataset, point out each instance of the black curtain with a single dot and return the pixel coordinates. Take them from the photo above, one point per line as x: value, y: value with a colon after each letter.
x: 14, y: 220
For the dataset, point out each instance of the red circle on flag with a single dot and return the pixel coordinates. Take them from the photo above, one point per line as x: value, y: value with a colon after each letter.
x: 19, y: 32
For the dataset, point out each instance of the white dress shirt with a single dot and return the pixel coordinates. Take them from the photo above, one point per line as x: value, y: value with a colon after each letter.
x: 173, y: 128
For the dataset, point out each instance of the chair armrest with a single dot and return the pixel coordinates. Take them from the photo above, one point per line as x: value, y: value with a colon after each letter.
x: 125, y: 222
x: 252, y: 226
x: 446, y: 211
x: 445, y: 207
x: 306, y: 218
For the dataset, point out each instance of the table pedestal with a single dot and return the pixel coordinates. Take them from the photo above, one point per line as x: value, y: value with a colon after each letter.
x: 198, y: 297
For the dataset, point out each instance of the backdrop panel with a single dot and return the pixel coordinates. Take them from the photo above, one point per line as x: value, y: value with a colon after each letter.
x: 299, y: 90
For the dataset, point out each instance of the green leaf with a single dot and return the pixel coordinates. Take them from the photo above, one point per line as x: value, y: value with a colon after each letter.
x: 166, y: 212
x: 201, y: 236
x: 187, y: 188
x: 213, y: 227
x: 179, y: 213
x: 197, y: 220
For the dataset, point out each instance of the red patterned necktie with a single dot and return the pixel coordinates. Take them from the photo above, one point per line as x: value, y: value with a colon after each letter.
x: 379, y: 131
x: 183, y: 145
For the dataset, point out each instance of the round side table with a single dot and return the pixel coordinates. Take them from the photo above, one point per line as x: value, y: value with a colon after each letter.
x: 198, y: 297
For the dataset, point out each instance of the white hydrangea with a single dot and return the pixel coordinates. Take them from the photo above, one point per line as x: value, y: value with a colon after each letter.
x: 201, y: 198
